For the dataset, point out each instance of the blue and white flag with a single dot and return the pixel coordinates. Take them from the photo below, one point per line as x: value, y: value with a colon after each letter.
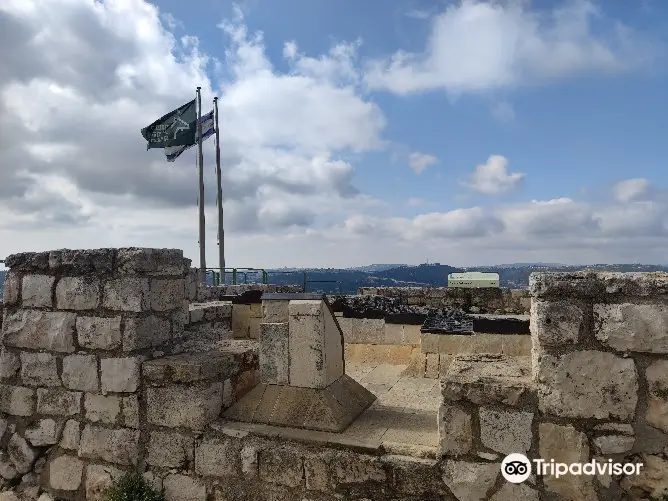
x: 173, y: 152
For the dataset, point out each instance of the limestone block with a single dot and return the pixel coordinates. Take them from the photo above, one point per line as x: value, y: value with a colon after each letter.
x: 431, y: 370
x: 367, y: 330
x: 80, y: 373
x: 131, y: 411
x: 305, y: 307
x: 240, y: 321
x: 652, y: 482
x: 564, y: 444
x: 43, y: 432
x: 254, y: 327
x: 36, y: 291
x: 119, y: 446
x: 145, y: 332
x: 17, y: 400
x: 614, y: 444
x: 275, y: 311
x: 120, y: 374
x: 556, y: 323
x: 307, y: 346
x: 191, y: 407
x: 516, y: 345
x: 333, y: 352
x: 470, y: 481
x: 505, y: 431
x: 58, y: 402
x: 147, y: 261
x: 455, y: 432
x: 101, y: 408
x: 9, y: 363
x: 99, y: 333
x: 281, y: 465
x: 39, y: 369
x: 411, y: 334
x: 486, y: 343
x: 632, y: 327
x: 170, y: 449
x: 127, y: 294
x: 182, y: 488
x: 657, y: 400
x: 98, y: 479
x: 274, y: 353
x: 78, y: 293
x: 515, y: 492
x: 65, y: 473
x: 21, y: 453
x: 12, y: 287
x: 216, y: 457
x: 71, y: 435
x: 166, y: 294
x: 588, y: 384
x: 40, y: 330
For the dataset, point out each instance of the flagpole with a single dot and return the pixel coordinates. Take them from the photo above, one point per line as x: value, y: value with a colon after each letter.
x: 200, y: 165
x: 219, y: 180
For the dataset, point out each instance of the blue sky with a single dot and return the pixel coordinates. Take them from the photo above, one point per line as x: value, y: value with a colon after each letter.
x: 355, y: 132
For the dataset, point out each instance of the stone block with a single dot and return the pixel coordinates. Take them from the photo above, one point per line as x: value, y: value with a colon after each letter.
x: 556, y: 323
x: 131, y: 411
x: 216, y: 457
x: 11, y: 288
x: 515, y: 492
x: 58, y: 402
x: 40, y: 330
x: 281, y: 465
x: 7, y: 470
x: 9, y: 363
x: 564, y: 444
x: 147, y: 261
x: 118, y: 446
x: 99, y: 333
x: 614, y: 444
x: 274, y: 353
x: 431, y: 370
x: 17, y: 400
x: 65, y: 473
x: 657, y: 398
x: 21, y: 453
x: 78, y: 293
x: 254, y: 326
x: 412, y: 334
x: 145, y: 332
x: 191, y: 407
x: 36, y: 291
x: 307, y: 349
x: 455, y: 431
x: 71, y: 435
x: 393, y: 334
x: 127, y: 294
x: 367, y: 331
x: 516, y: 345
x: 80, y: 373
x: 505, y: 431
x: 39, y: 369
x: 470, y: 481
x: 240, y: 321
x: 588, y: 384
x: 632, y: 327
x: 98, y: 479
x: 182, y: 488
x: 43, y: 432
x: 166, y: 294
x: 305, y: 307
x: 101, y: 408
x: 486, y: 343
x: 275, y: 311
x: 170, y: 449
x: 120, y: 375
x: 652, y: 482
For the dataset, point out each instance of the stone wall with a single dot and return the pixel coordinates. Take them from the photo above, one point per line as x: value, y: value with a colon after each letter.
x: 206, y: 293
x: 482, y: 300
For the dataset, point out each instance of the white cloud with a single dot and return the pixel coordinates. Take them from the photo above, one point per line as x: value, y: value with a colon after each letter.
x: 631, y: 189
x: 419, y: 162
x: 477, y: 46
x: 492, y: 177
x: 503, y: 112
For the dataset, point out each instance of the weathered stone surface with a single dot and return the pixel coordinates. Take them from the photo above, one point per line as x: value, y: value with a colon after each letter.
x: 36, y: 291
x: 17, y: 400
x: 127, y: 294
x: 367, y: 330
x: 614, y: 444
x: 9, y: 363
x: 80, y: 373
x: 7, y: 469
x: 190, y: 407
x: 249, y: 456
x: 44, y: 432
x: 145, y: 332
x: 21, y: 453
x: 564, y: 444
x: 183, y: 488
x: 170, y: 450
x: 58, y: 402
x: 556, y: 323
x: 40, y: 330
x: 216, y: 457
x: 274, y: 353
x: 652, y: 482
x: 99, y: 333
x: 147, y: 261
x: 71, y: 435
x: 281, y: 466
x: 78, y: 293
x: 657, y: 401
x: 470, y: 481
x: 98, y: 479
x: 119, y: 446
x: 505, y: 431
x: 131, y: 411
x: 633, y: 327
x: 9, y: 496
x: 39, y: 369
x: 3, y: 427
x: 11, y: 288
x: 65, y: 473
x: 102, y: 409
x: 515, y: 492
x: 455, y: 432
x: 120, y: 374
x: 275, y: 311
x: 588, y: 384
x: 618, y: 428
x: 166, y: 294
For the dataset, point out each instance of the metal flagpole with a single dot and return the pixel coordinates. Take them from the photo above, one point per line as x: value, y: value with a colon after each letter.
x: 221, y: 230
x: 200, y: 165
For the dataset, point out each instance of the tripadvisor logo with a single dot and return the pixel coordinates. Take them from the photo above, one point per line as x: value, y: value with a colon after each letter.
x: 516, y: 468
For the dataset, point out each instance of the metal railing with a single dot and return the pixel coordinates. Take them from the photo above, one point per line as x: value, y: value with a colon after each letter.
x: 236, y: 273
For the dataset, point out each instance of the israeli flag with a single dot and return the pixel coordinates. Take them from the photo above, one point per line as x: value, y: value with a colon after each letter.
x: 173, y: 152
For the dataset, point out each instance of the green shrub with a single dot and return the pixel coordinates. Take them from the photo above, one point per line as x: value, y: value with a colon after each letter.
x: 132, y: 487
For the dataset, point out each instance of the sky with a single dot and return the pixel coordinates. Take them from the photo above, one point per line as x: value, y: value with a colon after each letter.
x: 385, y: 131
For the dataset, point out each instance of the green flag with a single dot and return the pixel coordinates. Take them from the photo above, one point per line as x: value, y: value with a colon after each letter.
x: 176, y: 128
